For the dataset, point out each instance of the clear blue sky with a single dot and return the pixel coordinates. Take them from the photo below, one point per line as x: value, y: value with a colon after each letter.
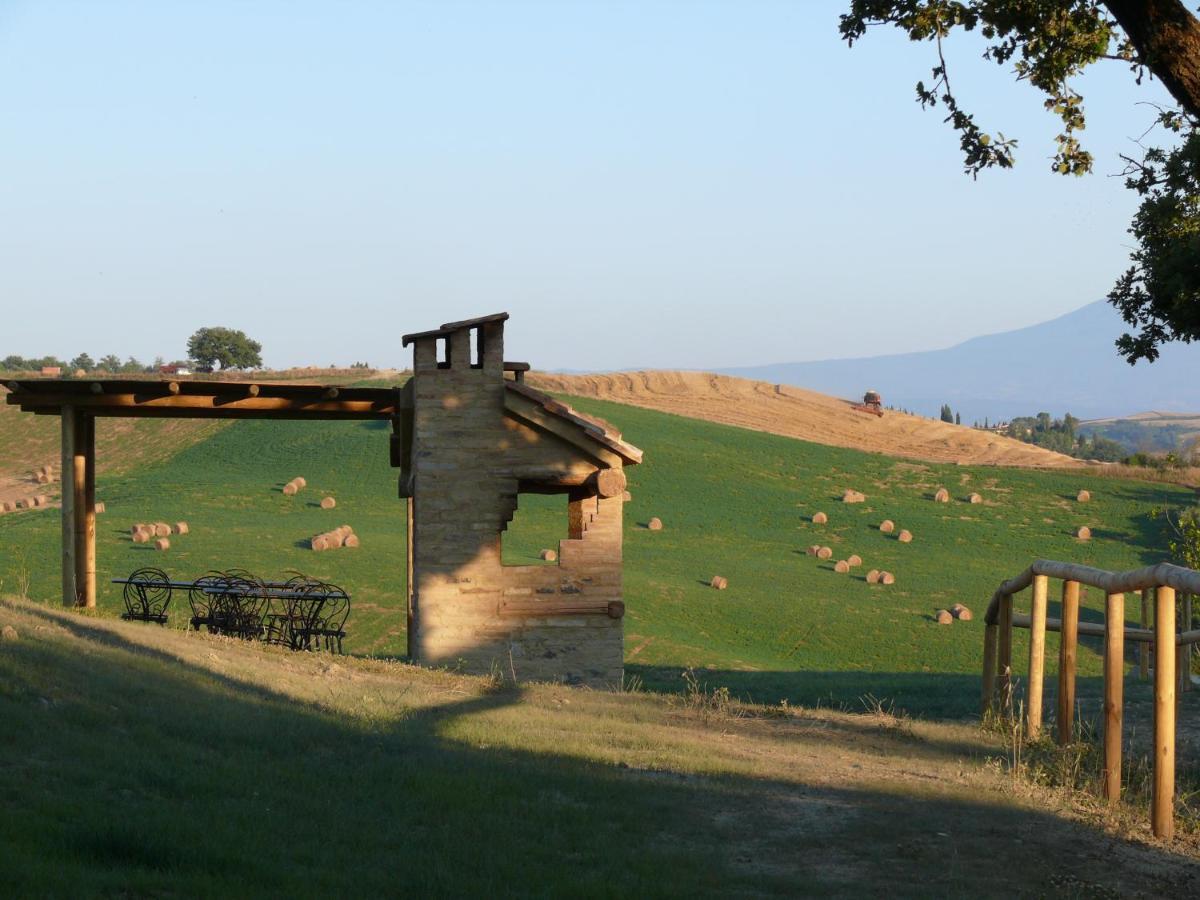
x: 651, y: 184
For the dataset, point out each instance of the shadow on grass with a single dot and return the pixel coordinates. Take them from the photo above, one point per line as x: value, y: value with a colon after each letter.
x: 131, y: 770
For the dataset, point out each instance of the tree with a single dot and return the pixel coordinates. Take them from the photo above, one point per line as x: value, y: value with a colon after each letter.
x: 110, y: 363
x: 947, y: 413
x: 224, y: 347
x: 957, y: 419
x: 83, y: 361
x: 1050, y: 42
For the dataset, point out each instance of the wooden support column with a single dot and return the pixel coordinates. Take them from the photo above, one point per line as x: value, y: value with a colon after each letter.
x: 412, y: 640
x: 1004, y: 653
x: 1037, y: 657
x: 85, y: 514
x: 69, y: 440
x: 1162, y: 807
x: 1114, y: 688
x: 1144, y: 649
x: 988, y: 691
x: 1067, y: 649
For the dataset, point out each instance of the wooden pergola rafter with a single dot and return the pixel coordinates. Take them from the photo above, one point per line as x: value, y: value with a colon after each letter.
x: 80, y: 402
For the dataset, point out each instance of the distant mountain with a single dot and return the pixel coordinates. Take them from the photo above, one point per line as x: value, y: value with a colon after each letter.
x: 1068, y: 364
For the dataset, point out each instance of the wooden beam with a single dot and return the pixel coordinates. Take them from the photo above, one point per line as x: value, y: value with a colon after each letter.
x: 1091, y: 629
x: 1114, y: 692
x: 207, y: 406
x: 1067, y: 649
x: 1162, y: 805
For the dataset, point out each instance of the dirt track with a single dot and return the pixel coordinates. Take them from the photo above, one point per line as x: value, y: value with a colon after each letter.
x: 794, y: 412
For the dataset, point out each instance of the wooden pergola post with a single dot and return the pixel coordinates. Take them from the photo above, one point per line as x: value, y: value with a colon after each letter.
x: 1067, y: 649
x: 78, y: 507
x: 1162, y: 806
x: 1037, y: 657
x: 1114, y: 691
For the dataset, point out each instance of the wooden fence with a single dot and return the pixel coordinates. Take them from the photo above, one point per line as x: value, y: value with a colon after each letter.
x: 1157, y: 586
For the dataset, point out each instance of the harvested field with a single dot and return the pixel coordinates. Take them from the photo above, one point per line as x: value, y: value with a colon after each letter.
x: 795, y: 412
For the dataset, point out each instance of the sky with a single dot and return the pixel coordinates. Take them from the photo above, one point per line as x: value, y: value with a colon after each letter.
x: 639, y: 184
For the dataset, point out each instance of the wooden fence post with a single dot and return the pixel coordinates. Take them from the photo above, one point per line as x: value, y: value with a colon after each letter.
x: 1185, y: 654
x: 1114, y: 673
x: 990, y: 641
x: 1037, y: 657
x: 1162, y: 808
x: 1004, y: 653
x: 1067, y: 650
x: 1143, y: 647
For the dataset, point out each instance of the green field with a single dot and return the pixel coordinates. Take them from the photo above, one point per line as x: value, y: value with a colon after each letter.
x: 734, y: 502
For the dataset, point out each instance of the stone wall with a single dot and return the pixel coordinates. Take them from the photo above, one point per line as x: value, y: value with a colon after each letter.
x: 468, y: 457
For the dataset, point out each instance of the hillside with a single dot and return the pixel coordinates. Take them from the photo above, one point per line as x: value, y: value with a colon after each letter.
x: 1068, y: 364
x: 735, y: 502
x: 807, y: 415
x: 140, y: 761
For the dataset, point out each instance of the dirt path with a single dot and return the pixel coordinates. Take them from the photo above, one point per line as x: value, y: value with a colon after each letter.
x: 794, y: 412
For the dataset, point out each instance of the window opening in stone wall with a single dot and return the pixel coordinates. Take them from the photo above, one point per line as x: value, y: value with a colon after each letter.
x: 476, y: 348
x: 537, y: 526
x: 443, y: 353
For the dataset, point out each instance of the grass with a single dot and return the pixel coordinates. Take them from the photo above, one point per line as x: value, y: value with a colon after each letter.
x: 144, y: 761
x: 734, y: 502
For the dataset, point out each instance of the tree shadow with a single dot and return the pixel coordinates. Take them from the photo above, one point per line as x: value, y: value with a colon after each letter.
x: 192, y: 778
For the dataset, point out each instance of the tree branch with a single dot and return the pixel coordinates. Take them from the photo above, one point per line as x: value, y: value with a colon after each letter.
x: 1167, y: 38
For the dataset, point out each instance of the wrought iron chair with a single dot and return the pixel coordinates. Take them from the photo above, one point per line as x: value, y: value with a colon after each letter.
x: 147, y: 594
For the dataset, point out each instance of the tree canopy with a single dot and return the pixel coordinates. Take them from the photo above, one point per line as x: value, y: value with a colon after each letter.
x: 1048, y: 43
x: 224, y: 347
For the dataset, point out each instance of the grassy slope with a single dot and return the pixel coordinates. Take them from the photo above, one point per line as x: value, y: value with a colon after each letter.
x: 735, y: 502
x: 139, y: 761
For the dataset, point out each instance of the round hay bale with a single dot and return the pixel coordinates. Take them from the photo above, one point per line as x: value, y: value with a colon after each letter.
x: 1084, y: 533
x: 347, y: 528
x: 626, y: 496
x: 944, y: 617
x: 162, y: 544
x: 942, y: 496
x: 350, y: 541
x: 328, y: 503
x: 140, y: 537
x: 887, y: 578
x: 43, y: 478
x: 719, y: 583
x: 319, y: 542
x: 140, y: 526
x: 548, y: 555
x: 655, y: 524
x: 873, y: 576
x: 299, y: 482
x: 812, y: 551
x: 904, y: 537
x: 181, y: 528
x: 1083, y: 496
x: 41, y: 500
x: 962, y: 613
x: 100, y: 508
x: 851, y: 496
x: 289, y: 490
x: 820, y: 518
x: 5, y: 506
x: 161, y: 529
x: 974, y: 498
x: 824, y: 553
x: 841, y: 567
x: 23, y: 503
x: 853, y: 560
x: 887, y: 526
x: 8, y: 633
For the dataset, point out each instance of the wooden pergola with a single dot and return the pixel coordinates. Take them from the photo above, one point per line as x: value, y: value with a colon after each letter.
x: 80, y: 402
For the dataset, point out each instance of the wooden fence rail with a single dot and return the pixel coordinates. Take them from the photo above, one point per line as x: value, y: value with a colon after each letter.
x: 1171, y: 652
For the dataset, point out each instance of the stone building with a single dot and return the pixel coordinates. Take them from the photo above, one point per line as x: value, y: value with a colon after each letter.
x: 469, y: 439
